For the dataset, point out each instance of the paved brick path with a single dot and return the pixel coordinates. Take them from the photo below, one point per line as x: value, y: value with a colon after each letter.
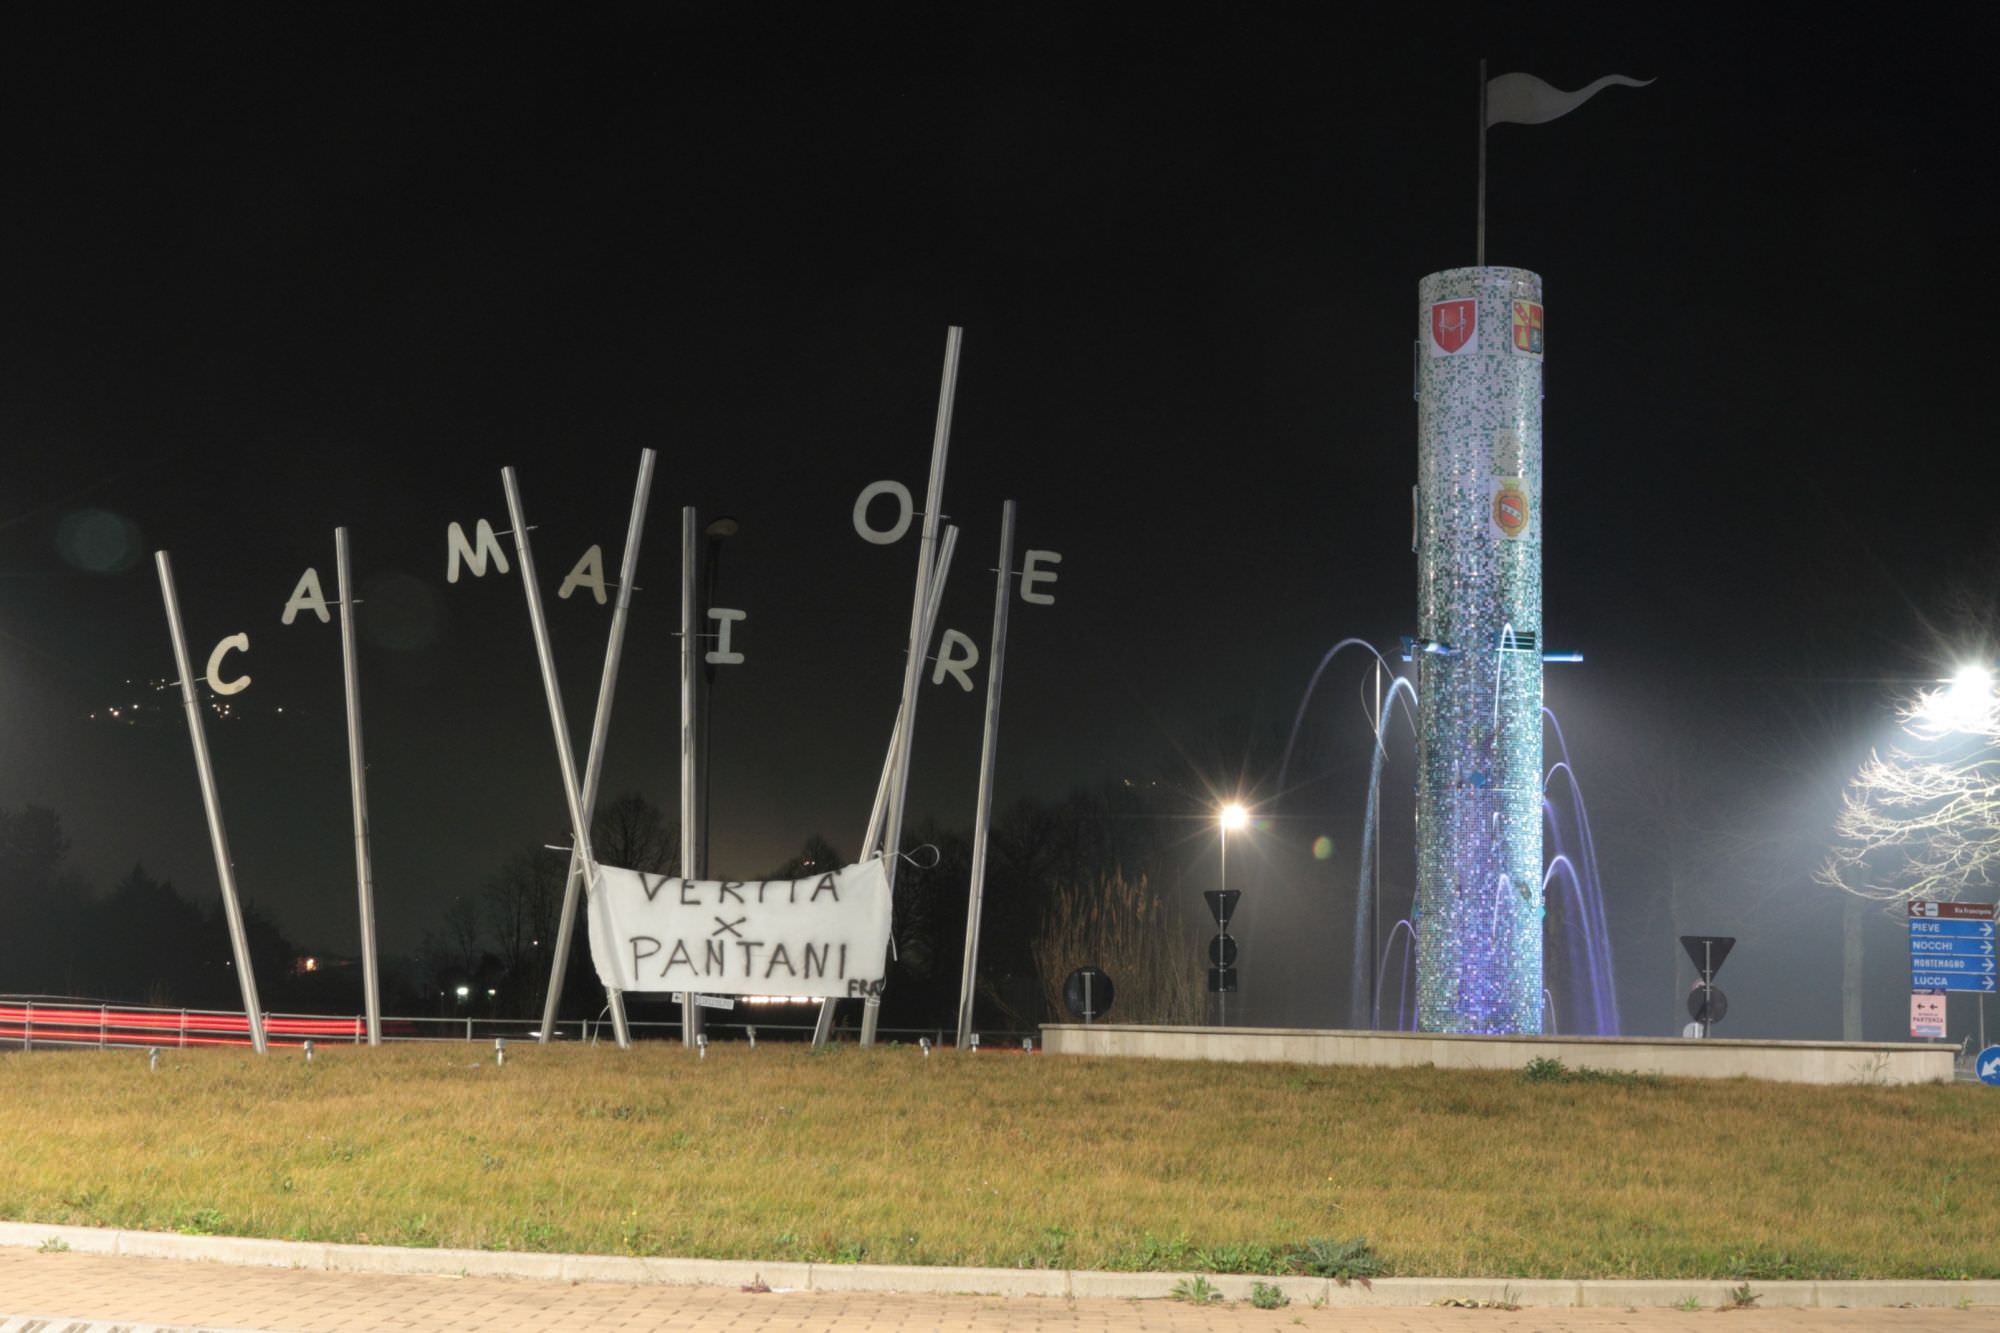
x: 81, y: 1288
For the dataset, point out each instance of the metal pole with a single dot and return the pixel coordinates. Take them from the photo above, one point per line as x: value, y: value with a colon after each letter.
x: 823, y: 1026
x: 1479, y: 260
x: 879, y: 811
x: 1222, y: 973
x: 913, y: 663
x: 565, y: 756
x: 225, y: 871
x: 1707, y: 985
x: 357, y: 784
x: 690, y: 723
x: 1375, y: 909
x: 1003, y: 584
x: 593, y: 764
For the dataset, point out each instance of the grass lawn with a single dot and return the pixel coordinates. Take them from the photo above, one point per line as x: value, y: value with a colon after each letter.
x: 1002, y: 1159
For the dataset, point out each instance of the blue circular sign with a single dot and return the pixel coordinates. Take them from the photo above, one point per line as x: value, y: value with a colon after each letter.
x: 1987, y: 1066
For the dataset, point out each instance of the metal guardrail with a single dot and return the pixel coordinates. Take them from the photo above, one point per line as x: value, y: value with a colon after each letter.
x: 76, y: 1024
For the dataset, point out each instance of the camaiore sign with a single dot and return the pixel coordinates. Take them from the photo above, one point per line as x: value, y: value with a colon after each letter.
x: 823, y: 936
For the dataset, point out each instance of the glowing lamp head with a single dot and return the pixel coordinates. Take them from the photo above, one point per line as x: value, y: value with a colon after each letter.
x: 1233, y: 817
x: 1964, y: 705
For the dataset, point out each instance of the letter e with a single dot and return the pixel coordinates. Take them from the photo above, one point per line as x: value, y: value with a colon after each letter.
x: 1030, y: 576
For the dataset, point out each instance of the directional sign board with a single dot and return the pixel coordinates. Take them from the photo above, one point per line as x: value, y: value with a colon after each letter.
x: 1952, y: 947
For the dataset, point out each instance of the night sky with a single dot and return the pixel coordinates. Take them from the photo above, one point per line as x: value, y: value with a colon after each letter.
x: 272, y: 270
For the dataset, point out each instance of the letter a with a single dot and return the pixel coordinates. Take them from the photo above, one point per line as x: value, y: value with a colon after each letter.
x: 589, y: 573
x: 949, y: 661
x: 487, y: 547
x: 306, y: 597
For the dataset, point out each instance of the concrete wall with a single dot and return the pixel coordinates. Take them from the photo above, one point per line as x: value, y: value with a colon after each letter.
x: 1780, y: 1061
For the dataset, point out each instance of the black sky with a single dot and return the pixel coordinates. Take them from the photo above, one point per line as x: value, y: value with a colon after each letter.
x: 270, y: 270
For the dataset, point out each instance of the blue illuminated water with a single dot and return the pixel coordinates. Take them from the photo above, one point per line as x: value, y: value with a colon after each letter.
x: 1572, y: 891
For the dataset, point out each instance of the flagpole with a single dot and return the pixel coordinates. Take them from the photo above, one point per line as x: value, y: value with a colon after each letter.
x: 690, y: 828
x: 1480, y: 251
x: 579, y: 822
x: 211, y: 802
x: 593, y: 764
x: 1003, y: 580
x: 357, y: 783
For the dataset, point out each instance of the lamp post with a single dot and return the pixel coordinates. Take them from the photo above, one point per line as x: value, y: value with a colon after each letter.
x: 1231, y: 816
x: 1968, y: 704
x: 715, y: 532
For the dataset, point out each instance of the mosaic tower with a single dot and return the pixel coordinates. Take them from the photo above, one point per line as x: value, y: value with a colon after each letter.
x: 1478, y: 652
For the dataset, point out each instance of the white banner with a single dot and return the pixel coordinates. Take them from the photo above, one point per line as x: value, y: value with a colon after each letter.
x: 823, y: 936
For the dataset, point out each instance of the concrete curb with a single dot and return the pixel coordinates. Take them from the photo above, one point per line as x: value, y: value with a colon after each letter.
x: 1403, y: 1292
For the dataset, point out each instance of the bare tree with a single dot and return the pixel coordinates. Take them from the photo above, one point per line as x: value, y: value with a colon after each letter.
x: 630, y: 832
x: 1923, y: 820
x: 522, y: 900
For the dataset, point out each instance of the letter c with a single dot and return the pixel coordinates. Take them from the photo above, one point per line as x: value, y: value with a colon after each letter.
x: 904, y: 510
x: 234, y: 643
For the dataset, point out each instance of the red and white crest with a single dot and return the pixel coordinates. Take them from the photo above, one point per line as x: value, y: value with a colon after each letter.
x: 1454, y: 327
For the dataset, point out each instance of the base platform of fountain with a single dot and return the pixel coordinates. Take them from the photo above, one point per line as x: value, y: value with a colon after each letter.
x: 1779, y: 1061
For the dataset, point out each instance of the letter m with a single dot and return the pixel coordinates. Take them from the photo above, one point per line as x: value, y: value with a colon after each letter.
x: 474, y: 553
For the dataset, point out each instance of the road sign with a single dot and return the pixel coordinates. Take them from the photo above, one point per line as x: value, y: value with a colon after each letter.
x: 1222, y: 902
x: 1221, y: 979
x: 1987, y: 1066
x: 1952, y: 946
x: 1088, y: 991
x: 1979, y: 983
x: 1707, y: 1005
x: 1926, y: 1017
x: 1937, y: 910
x: 1222, y: 951
x: 1708, y: 951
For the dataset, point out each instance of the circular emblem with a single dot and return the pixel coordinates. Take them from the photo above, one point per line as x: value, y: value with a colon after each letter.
x: 1510, y: 509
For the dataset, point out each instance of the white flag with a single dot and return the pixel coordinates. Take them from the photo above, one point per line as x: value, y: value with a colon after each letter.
x: 826, y: 936
x: 1523, y: 99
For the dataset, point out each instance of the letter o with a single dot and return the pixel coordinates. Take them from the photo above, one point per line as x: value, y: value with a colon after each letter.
x: 905, y: 510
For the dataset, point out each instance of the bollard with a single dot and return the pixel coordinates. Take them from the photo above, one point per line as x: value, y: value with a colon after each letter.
x: 1028, y: 1045
x: 152, y: 1059
x: 309, y: 1052
x: 924, y: 1045
x: 701, y: 1045
x: 974, y: 1043
x: 499, y: 1050
x: 753, y: 1037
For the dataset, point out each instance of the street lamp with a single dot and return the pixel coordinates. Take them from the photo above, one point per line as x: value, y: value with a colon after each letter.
x: 1966, y: 704
x: 715, y: 532
x: 1230, y: 816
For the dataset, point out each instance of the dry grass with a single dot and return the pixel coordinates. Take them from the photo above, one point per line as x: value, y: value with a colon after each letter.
x: 1009, y: 1160
x: 1135, y: 935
